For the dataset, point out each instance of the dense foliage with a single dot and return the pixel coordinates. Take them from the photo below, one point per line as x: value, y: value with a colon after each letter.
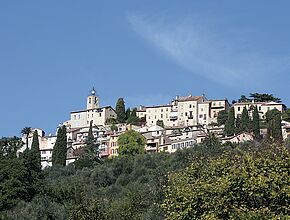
x: 126, y: 187
x: 249, y: 183
x: 131, y: 142
x: 209, y: 181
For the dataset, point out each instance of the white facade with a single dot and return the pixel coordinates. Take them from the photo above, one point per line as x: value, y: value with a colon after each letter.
x: 263, y: 107
x: 99, y: 115
x: 184, y: 111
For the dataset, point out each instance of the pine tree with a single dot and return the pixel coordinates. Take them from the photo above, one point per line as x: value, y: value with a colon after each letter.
x: 229, y: 129
x: 245, y: 120
x: 59, y: 152
x: 120, y: 110
x: 256, y: 123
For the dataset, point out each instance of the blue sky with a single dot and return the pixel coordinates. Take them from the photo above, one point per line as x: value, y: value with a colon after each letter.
x: 53, y: 52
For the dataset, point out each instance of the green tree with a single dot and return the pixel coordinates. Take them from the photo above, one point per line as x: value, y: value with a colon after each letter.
x: 90, y: 155
x: 244, y: 99
x: 131, y: 143
x: 25, y: 132
x: 235, y: 185
x: 245, y: 120
x: 256, y: 123
x: 286, y: 115
x: 238, y: 128
x: 133, y: 119
x: 120, y: 111
x: 211, y: 141
x: 274, y: 129
x: 222, y: 117
x: 13, y: 174
x: 229, y: 129
x: 160, y: 123
x: 128, y: 113
x: 32, y: 162
x: 59, y: 152
x: 35, y: 152
x: 264, y: 97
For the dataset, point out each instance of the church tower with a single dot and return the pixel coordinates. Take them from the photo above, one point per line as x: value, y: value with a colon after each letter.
x: 92, y: 100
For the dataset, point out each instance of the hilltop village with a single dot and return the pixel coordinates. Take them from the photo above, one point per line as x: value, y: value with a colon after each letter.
x: 182, y: 123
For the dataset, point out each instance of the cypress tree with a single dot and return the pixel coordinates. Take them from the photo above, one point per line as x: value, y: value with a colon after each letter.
x: 90, y: 154
x: 245, y: 120
x: 238, y: 125
x: 277, y: 129
x: 90, y: 141
x: 120, y: 110
x: 229, y: 129
x: 59, y: 152
x: 256, y: 123
x: 274, y: 129
x: 32, y: 162
x: 133, y: 119
x: 128, y: 113
x: 35, y: 152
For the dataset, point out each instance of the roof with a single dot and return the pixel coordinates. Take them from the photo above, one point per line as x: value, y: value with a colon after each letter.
x: 85, y: 110
x: 159, y: 106
x: 189, y: 98
x: 260, y: 103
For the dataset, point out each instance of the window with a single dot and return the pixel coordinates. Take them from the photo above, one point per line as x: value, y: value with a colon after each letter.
x: 162, y: 110
x: 161, y: 115
x: 239, y: 108
x: 43, y: 152
x: 200, y: 116
x: 185, y: 113
x: 260, y: 108
x: 190, y: 106
x: 90, y: 100
x: 75, y: 117
x: 201, y: 109
x: 100, y: 114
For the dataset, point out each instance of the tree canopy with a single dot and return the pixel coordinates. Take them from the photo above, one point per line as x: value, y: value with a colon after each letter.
x: 131, y: 143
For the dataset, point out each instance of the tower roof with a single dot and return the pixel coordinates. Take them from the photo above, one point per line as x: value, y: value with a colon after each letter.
x: 93, y: 91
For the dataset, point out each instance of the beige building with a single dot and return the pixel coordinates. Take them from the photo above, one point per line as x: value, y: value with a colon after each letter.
x: 263, y: 107
x: 94, y: 112
x: 218, y: 105
x: 184, y: 111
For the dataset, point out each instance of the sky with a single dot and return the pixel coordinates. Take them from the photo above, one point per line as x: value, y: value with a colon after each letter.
x: 146, y: 51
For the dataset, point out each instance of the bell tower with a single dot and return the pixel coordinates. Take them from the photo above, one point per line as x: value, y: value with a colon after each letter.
x: 92, y: 100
